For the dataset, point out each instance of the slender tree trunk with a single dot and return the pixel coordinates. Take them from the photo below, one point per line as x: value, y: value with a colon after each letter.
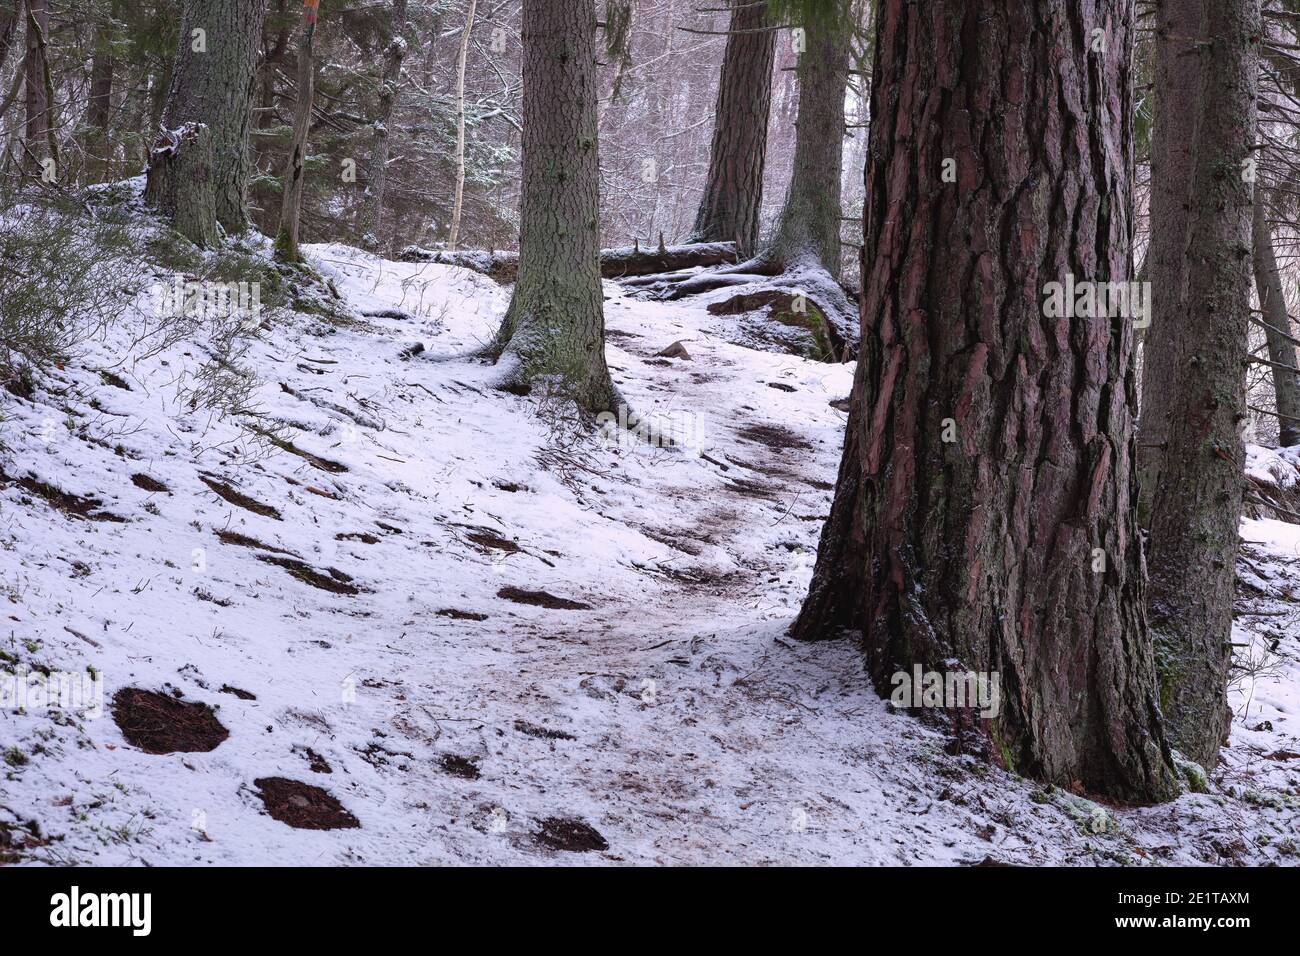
x: 99, y: 109
x: 733, y: 193
x: 1281, y: 351
x: 984, y: 517
x: 372, y: 201
x: 460, y: 127
x: 1197, y: 504
x: 36, y: 136
x: 808, y: 228
x: 1173, y: 139
x: 554, y: 331
x: 212, y: 84
x: 286, y: 240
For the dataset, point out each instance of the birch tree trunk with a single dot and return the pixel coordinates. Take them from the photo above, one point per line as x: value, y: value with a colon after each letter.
x: 553, y: 334
x: 1281, y: 350
x: 984, y: 514
x: 1197, y: 503
x: 733, y: 193
x: 286, y: 239
x: 460, y: 127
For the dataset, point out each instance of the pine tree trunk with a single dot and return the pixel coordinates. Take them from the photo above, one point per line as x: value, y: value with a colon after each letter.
x: 372, y: 202
x: 286, y: 239
x: 808, y: 228
x: 1177, y: 84
x: 554, y: 330
x: 454, y: 235
x: 99, y: 109
x: 181, y: 185
x: 37, y: 120
x: 214, y: 86
x: 984, y: 518
x: 1197, y: 503
x: 1281, y: 351
x: 733, y: 193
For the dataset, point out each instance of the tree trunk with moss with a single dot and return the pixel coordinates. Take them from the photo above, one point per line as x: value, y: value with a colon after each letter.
x: 1178, y: 27
x: 808, y: 227
x: 984, y: 514
x: 1277, y: 328
x: 1197, y: 503
x: 733, y: 193
x: 212, y: 83
x: 553, y: 336
x: 291, y: 183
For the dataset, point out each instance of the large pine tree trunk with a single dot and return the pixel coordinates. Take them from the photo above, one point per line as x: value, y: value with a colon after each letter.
x: 984, y: 517
x: 372, y: 202
x: 808, y: 227
x: 99, y: 107
x: 291, y: 183
x: 733, y: 193
x: 1177, y: 84
x: 1277, y: 331
x: 554, y: 331
x: 213, y: 85
x: 1197, y: 503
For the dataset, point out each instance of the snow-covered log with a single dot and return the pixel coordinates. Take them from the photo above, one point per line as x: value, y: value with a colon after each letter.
x: 615, y: 263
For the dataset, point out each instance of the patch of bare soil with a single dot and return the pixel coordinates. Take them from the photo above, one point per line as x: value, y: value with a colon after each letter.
x: 72, y: 505
x: 562, y: 833
x: 458, y: 615
x: 464, y: 767
x: 245, y: 541
x: 489, y: 540
x: 362, y: 536
x: 773, y: 436
x: 333, y: 580
x: 542, y: 733
x: 303, y: 806
x: 541, y: 599
x: 239, y: 499
x: 147, y: 483
x: 238, y: 692
x: 159, y: 724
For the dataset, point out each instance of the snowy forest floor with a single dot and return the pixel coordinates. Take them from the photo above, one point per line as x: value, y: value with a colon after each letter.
x: 661, y: 717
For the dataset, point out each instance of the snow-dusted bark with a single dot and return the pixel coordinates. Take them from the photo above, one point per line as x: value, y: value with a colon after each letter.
x: 554, y: 330
x: 984, y: 517
x: 1197, y: 505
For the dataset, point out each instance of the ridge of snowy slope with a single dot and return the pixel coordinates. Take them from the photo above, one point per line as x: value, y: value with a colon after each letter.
x: 667, y: 711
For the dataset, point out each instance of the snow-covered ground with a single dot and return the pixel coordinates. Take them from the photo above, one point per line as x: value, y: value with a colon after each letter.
x: 659, y: 703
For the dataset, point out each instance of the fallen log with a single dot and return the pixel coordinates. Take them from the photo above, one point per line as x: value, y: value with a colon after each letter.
x: 616, y: 263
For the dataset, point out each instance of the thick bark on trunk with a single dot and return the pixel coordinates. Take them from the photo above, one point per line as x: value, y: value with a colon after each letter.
x: 454, y: 235
x: 180, y: 182
x: 554, y: 330
x: 1177, y: 87
x: 808, y: 228
x: 1197, y: 504
x: 1277, y: 331
x: 215, y: 88
x: 372, y: 202
x: 984, y: 517
x: 286, y: 239
x: 733, y: 193
x: 37, y: 123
